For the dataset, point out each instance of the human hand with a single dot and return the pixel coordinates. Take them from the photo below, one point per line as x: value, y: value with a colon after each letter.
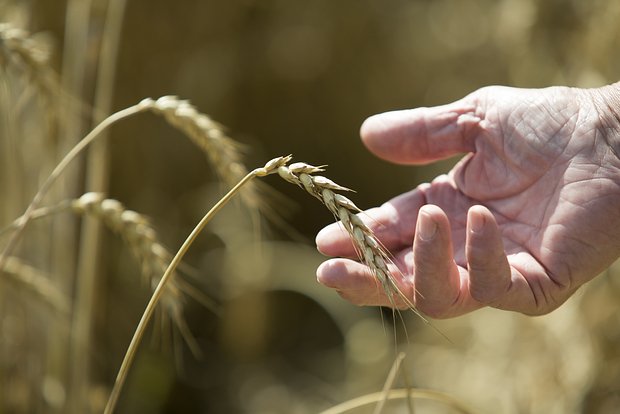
x: 531, y: 213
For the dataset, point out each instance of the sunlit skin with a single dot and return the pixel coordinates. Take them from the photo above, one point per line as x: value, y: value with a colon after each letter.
x: 531, y: 212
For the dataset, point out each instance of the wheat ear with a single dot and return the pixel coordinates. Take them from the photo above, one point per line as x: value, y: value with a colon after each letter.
x: 19, y: 49
x: 137, y: 231
x: 225, y: 155
x: 18, y: 41
x: 222, y: 151
x: 140, y: 235
x: 370, y: 251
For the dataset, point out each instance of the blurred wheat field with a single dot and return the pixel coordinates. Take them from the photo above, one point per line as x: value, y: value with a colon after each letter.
x: 247, y: 329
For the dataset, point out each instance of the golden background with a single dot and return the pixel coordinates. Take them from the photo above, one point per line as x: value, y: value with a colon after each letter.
x: 284, y: 77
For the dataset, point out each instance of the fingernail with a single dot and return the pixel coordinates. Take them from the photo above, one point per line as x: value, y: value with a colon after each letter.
x: 476, y: 222
x: 427, y: 227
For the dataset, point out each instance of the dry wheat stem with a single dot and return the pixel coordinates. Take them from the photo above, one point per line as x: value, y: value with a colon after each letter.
x: 269, y: 168
x: 389, y: 383
x: 90, y: 241
x: 37, y: 214
x: 36, y: 282
x: 69, y: 157
x: 397, y: 394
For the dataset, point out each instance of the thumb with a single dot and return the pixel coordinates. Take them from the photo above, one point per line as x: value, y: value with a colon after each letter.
x: 422, y: 135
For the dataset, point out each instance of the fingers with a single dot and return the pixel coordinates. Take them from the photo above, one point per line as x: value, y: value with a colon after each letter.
x: 437, y: 286
x: 355, y: 283
x: 489, y: 271
x: 436, y: 275
x: 422, y: 135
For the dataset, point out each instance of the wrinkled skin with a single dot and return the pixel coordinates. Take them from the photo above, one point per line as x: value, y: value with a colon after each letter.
x: 531, y: 213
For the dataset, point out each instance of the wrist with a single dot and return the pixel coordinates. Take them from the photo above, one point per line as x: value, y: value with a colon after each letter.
x: 607, y: 104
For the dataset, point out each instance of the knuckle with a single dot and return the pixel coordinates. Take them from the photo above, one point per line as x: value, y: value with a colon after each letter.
x: 483, y: 294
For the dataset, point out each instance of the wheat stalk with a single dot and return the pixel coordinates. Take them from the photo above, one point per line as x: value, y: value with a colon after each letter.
x: 34, y: 281
x: 269, y: 168
x: 90, y: 241
x: 399, y: 394
x: 59, y: 169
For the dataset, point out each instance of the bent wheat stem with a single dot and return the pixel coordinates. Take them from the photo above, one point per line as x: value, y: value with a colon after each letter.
x: 97, y: 176
x: 398, y: 394
x: 389, y: 383
x: 37, y: 283
x: 60, y: 168
x: 269, y: 168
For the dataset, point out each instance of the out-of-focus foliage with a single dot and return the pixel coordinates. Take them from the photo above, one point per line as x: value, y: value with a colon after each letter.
x: 289, y: 76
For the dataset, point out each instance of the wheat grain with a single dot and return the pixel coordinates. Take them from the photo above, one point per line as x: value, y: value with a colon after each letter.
x: 269, y: 168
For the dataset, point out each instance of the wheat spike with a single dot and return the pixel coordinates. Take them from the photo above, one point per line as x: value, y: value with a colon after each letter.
x: 154, y: 257
x: 137, y: 231
x: 19, y: 49
x: 223, y: 152
x: 17, y: 43
x: 370, y: 251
